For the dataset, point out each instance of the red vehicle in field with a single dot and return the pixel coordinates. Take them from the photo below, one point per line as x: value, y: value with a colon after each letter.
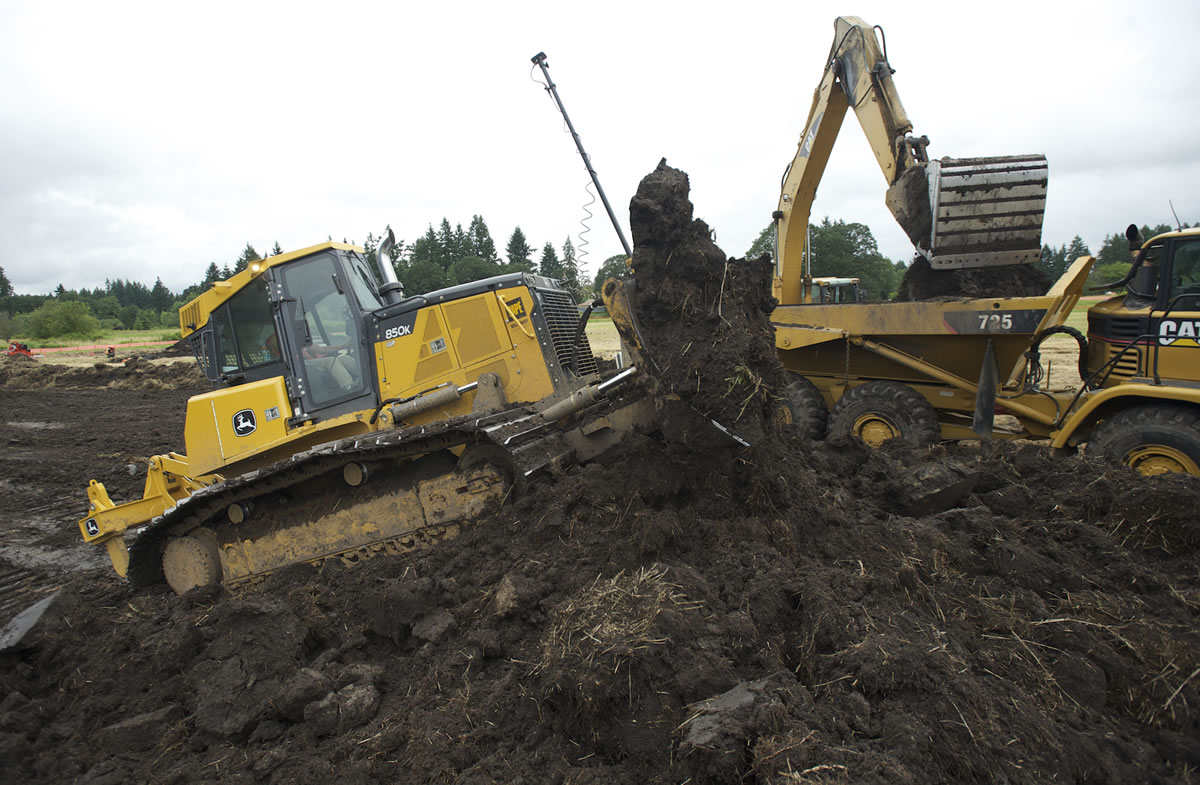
x: 16, y: 348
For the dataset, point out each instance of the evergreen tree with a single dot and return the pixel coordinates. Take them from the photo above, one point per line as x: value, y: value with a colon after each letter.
x: 427, y: 248
x: 275, y: 249
x: 60, y: 292
x: 248, y: 255
x: 1076, y: 249
x: 211, y: 275
x: 550, y: 266
x: 1115, y: 249
x: 446, y: 244
x: 481, y: 240
x: 6, y: 287
x: 371, y: 249
x: 570, y: 269
x: 518, y: 252
x: 462, y: 244
x: 1053, y: 262
x: 226, y: 273
x: 160, y: 296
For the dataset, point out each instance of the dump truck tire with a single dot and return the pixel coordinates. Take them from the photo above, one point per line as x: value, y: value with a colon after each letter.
x: 879, y: 411
x: 1151, y: 439
x: 804, y: 408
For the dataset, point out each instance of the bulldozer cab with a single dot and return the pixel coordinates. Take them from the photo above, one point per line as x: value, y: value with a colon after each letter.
x: 302, y: 319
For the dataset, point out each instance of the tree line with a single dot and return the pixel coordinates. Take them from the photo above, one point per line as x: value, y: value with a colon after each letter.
x: 1112, y: 260
x: 443, y: 257
x: 451, y: 255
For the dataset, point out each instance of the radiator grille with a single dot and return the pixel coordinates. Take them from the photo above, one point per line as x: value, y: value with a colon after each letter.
x: 189, y: 316
x: 1129, y: 364
x: 1117, y: 328
x: 562, y: 320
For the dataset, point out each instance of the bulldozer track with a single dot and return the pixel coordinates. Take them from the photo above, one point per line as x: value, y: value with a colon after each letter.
x: 207, y: 508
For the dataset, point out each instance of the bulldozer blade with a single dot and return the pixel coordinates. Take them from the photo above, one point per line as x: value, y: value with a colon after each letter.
x: 986, y: 212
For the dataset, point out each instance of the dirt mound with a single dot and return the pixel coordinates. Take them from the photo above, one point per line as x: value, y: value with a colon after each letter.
x: 922, y: 282
x: 705, y: 317
x: 136, y: 373
x: 655, y: 617
x: 181, y: 348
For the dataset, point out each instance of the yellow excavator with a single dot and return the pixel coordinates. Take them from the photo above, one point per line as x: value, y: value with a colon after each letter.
x: 349, y: 420
x: 944, y: 369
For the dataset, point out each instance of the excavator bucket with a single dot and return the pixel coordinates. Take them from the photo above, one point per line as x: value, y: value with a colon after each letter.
x: 974, y: 212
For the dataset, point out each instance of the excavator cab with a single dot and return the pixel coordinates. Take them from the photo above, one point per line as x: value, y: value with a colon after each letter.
x: 834, y: 291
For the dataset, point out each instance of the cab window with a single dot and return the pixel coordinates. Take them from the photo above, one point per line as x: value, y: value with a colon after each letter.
x: 245, y: 331
x: 1185, y: 274
x: 363, y: 284
x: 327, y: 330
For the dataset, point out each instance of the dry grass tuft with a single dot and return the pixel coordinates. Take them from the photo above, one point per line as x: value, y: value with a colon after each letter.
x: 608, y: 622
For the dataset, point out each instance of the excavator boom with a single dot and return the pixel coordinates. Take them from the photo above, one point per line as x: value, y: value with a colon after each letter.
x: 968, y: 212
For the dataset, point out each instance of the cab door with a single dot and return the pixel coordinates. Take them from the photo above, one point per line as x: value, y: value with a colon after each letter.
x: 325, y: 331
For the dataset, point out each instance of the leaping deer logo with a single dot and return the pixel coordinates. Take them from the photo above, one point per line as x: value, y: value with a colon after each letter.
x: 244, y: 423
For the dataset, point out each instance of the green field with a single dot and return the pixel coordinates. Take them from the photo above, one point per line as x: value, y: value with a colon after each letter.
x: 1078, y: 317
x: 107, y: 338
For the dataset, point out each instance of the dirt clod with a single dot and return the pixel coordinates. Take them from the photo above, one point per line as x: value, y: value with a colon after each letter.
x: 704, y: 316
x: 922, y: 282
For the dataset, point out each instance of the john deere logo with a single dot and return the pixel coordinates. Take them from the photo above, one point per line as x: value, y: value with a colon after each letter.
x: 244, y: 423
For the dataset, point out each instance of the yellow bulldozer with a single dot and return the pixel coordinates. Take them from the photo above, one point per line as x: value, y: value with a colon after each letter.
x: 349, y: 420
x: 944, y: 368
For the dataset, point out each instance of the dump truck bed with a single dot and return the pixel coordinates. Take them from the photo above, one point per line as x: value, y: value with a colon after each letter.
x: 947, y: 336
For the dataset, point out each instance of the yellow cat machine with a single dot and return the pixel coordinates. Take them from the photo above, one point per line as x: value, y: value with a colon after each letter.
x: 1143, y: 359
x: 349, y: 420
x: 943, y: 369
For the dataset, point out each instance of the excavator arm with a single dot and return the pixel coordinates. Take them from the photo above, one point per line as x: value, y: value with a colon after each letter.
x: 971, y: 212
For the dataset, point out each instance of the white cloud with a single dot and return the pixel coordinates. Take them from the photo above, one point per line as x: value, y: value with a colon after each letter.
x: 147, y: 140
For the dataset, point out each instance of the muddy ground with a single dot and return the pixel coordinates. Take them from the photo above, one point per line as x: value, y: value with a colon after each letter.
x: 789, y: 612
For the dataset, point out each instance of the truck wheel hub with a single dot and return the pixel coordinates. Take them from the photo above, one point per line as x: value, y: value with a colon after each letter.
x: 1153, y: 459
x: 875, y: 429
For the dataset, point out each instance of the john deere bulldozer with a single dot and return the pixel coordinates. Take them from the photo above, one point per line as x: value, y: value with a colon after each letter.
x: 347, y: 419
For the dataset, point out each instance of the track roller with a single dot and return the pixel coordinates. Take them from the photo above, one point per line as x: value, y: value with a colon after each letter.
x: 192, y: 561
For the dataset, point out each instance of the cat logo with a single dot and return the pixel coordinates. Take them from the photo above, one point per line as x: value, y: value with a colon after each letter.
x: 1183, y: 331
x: 244, y: 423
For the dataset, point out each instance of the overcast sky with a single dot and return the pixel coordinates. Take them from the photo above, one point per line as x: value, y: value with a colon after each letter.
x: 144, y: 140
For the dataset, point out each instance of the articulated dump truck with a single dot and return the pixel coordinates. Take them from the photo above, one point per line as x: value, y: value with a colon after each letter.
x: 347, y: 419
x: 943, y: 368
